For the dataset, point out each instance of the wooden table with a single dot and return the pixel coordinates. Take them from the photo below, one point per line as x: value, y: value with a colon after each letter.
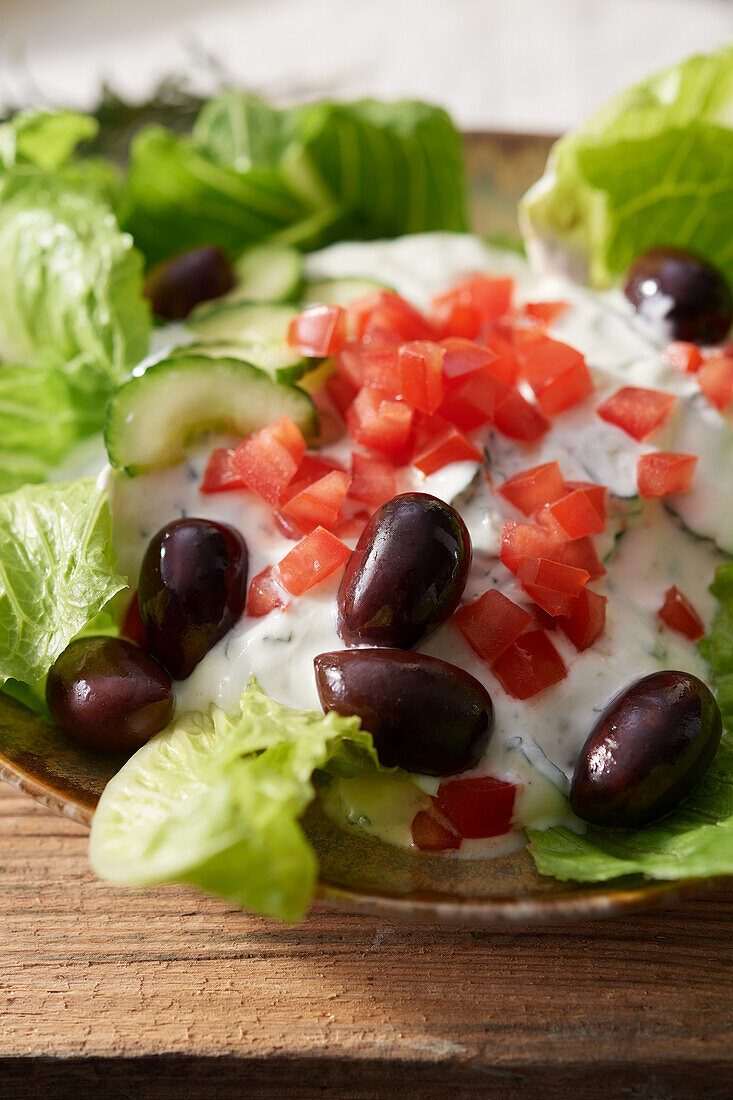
x: 117, y: 994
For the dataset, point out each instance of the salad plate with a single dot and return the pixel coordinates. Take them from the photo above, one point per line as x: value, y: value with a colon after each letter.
x: 271, y: 411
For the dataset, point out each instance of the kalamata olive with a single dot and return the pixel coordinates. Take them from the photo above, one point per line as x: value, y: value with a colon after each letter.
x: 108, y: 695
x: 407, y: 573
x: 176, y: 285
x: 681, y: 296
x: 425, y: 715
x: 646, y: 752
x: 193, y: 587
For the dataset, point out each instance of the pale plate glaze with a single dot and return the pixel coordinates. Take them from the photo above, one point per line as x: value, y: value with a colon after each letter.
x: 359, y: 873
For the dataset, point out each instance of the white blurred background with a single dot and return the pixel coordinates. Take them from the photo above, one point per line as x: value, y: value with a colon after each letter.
x: 528, y: 65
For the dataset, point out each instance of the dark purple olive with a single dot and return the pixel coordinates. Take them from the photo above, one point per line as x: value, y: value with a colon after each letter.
x: 646, y: 752
x: 680, y: 295
x: 193, y: 587
x: 425, y: 715
x: 407, y: 573
x: 108, y: 695
x: 175, y: 286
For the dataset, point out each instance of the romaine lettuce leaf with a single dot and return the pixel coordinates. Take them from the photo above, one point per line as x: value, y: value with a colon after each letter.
x: 307, y: 175
x: 214, y: 801
x: 697, y: 839
x: 57, y: 570
x: 652, y: 167
x: 46, y: 139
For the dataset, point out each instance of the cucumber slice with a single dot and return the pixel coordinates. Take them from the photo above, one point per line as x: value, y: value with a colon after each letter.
x: 152, y: 417
x: 268, y: 273
x: 280, y: 363
x: 259, y: 330
x: 339, y: 292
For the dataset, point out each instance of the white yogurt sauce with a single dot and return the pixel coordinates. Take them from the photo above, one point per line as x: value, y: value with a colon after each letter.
x: 653, y: 550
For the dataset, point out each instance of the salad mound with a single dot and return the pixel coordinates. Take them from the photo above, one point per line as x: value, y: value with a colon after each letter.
x: 406, y: 526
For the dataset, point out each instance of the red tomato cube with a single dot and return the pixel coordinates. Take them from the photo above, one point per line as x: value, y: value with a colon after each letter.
x: 318, y: 504
x: 380, y: 368
x: 341, y: 391
x: 421, y: 374
x: 491, y: 623
x: 480, y: 807
x: 265, y: 594
x: 637, y: 411
x: 553, y: 603
x: 532, y: 488
x: 557, y: 374
x: 318, y: 331
x: 268, y: 460
x: 587, y: 621
x: 431, y: 832
x: 491, y: 298
x: 553, y: 574
x: 529, y: 665
x: 516, y: 418
x: 453, y: 319
x: 380, y: 423
x: 374, y: 480
x: 684, y: 356
x: 390, y: 313
x: 316, y: 557
x: 576, y: 515
x: 545, y: 313
x: 311, y: 469
x: 597, y: 494
x: 664, y: 472
x: 505, y: 365
x: 715, y: 379
x: 471, y: 403
x: 527, y: 540
x: 582, y: 554
x: 349, y: 365
x: 679, y: 614
x: 439, y: 444
x: 219, y: 476
x: 463, y: 357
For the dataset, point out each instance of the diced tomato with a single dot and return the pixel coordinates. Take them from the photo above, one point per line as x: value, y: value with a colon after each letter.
x: 421, y: 374
x: 453, y: 319
x: 532, y: 488
x: 380, y: 423
x: 684, y: 356
x: 491, y: 623
x: 664, y: 472
x: 516, y: 418
x: 311, y: 469
x: 587, y: 621
x: 637, y: 411
x: 432, y: 832
x: 314, y: 558
x: 441, y: 445
x: 265, y: 594
x: 318, y: 331
x: 341, y: 391
x: 375, y: 480
x: 505, y: 365
x: 527, y: 540
x: 132, y: 626
x: 679, y: 614
x: 553, y: 574
x: 391, y: 313
x: 549, y: 600
x: 268, y: 460
x: 219, y: 475
x: 583, y: 555
x: 576, y: 515
x: 597, y: 494
x: 318, y: 504
x: 492, y: 298
x: 349, y: 365
x: 480, y: 807
x: 380, y: 368
x: 558, y: 375
x: 351, y: 527
x: 715, y: 379
x: 529, y: 665
x: 545, y: 312
x: 472, y: 402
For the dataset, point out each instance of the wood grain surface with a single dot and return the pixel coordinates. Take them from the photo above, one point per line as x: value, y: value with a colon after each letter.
x: 164, y: 993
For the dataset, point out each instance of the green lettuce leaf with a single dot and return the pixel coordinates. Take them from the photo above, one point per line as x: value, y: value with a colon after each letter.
x: 46, y: 139
x: 306, y: 176
x: 652, y: 167
x: 697, y: 839
x: 70, y: 282
x: 215, y: 801
x: 57, y: 570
